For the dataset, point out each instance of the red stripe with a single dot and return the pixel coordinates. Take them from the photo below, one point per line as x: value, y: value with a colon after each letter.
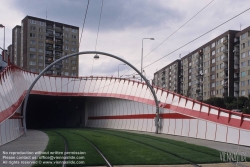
x: 16, y: 116
x: 144, y: 116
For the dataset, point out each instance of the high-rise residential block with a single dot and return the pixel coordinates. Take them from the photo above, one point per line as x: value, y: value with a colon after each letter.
x: 212, y: 70
x: 16, y: 45
x: 43, y: 42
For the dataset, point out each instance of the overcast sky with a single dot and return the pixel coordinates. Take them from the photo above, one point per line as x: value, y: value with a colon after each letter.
x: 125, y: 22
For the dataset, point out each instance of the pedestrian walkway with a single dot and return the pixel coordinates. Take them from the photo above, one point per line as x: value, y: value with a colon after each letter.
x: 226, y: 147
x: 25, y: 145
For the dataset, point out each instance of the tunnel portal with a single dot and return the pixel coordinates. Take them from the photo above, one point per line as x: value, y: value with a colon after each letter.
x: 45, y: 111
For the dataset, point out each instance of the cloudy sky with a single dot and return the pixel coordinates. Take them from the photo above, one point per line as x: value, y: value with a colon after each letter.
x: 125, y: 23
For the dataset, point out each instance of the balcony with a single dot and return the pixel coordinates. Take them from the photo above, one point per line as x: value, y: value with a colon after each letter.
x: 225, y: 50
x: 236, y: 89
x: 58, y: 48
x: 236, y: 61
x: 58, y: 35
x: 58, y: 42
x: 198, y: 90
x: 58, y: 56
x: 51, y: 27
x: 236, y: 70
x: 236, y: 78
x: 225, y: 41
x: 225, y: 77
x: 49, y: 72
x: 225, y: 94
x: 225, y: 59
x: 49, y: 34
x: 49, y: 48
x: 225, y: 67
x: 200, y: 52
x: 58, y: 29
x: 225, y: 86
x: 49, y: 41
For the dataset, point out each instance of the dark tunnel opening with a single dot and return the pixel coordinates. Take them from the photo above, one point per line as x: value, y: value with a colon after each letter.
x: 45, y: 111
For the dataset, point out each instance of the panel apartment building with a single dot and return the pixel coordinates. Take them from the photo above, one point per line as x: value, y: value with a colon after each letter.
x: 219, y: 68
x: 43, y: 42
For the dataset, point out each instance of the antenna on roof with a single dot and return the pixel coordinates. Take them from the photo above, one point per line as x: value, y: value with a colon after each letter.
x: 46, y: 11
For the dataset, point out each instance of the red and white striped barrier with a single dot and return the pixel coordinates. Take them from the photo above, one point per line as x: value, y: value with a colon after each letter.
x: 121, y: 104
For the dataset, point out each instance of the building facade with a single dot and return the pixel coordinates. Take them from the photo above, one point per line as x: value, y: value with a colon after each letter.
x: 16, y: 45
x: 168, y: 77
x: 219, y: 68
x: 242, y: 63
x: 43, y: 42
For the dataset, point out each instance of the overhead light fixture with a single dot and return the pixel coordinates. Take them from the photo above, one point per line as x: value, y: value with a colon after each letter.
x: 96, y: 57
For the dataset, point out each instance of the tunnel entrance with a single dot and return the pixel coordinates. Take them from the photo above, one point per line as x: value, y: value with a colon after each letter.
x: 55, y: 112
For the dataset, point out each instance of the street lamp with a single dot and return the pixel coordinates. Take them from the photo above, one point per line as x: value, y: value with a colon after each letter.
x: 118, y: 68
x: 2, y: 26
x: 142, y: 53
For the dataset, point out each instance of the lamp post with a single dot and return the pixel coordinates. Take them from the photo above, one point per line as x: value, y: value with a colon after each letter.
x: 142, y: 53
x: 2, y: 26
x: 118, y: 68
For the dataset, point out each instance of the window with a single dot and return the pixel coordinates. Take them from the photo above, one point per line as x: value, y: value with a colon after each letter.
x: 40, y: 57
x: 221, y: 65
x: 32, y: 63
x: 221, y: 57
x: 213, y: 61
x: 66, y: 73
x: 32, y: 42
x: 243, y: 55
x: 32, y: 35
x: 33, y: 70
x: 32, y: 56
x: 33, y: 21
x: 213, y: 76
x: 212, y: 84
x: 243, y: 74
x: 242, y: 83
x: 73, y: 74
x: 73, y: 49
x: 213, y: 68
x: 243, y: 93
x: 66, y: 35
x: 73, y: 68
x: 218, y: 50
x: 242, y: 45
x: 32, y: 28
x: 243, y: 36
x: 66, y: 29
x: 213, y: 53
x: 32, y: 49
x: 221, y: 48
x: 66, y: 41
x: 249, y: 43
x: 66, y: 60
x: 249, y: 53
x: 41, y: 23
x: 213, y: 45
x: 73, y: 62
x: 40, y: 43
x: 248, y: 82
x: 243, y: 64
x: 40, y: 30
x: 66, y: 48
x: 40, y: 36
x: 40, y: 64
x: 74, y: 30
x: 74, y: 36
x: 40, y: 50
x: 73, y: 42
